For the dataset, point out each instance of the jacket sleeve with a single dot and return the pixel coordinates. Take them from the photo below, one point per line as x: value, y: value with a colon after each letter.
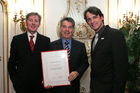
x: 84, y: 61
x: 12, y: 63
x: 120, y: 62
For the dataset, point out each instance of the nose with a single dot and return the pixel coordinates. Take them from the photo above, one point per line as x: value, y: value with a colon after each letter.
x: 92, y: 20
x: 33, y: 23
x: 67, y: 28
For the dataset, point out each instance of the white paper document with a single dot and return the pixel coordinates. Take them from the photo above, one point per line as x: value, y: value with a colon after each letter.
x: 55, y: 68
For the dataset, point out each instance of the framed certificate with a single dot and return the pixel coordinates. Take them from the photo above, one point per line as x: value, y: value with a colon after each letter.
x: 55, y: 67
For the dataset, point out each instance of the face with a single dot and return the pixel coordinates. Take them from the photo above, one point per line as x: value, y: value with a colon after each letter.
x: 94, y: 21
x: 66, y: 30
x: 32, y: 23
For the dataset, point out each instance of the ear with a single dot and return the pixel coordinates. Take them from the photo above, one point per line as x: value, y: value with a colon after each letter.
x: 102, y: 18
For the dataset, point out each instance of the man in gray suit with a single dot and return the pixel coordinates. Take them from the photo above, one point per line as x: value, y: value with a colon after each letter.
x: 78, y: 60
x: 109, y: 56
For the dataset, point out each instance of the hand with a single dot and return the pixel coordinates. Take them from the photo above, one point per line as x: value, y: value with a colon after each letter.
x: 90, y: 91
x: 48, y: 87
x: 73, y: 75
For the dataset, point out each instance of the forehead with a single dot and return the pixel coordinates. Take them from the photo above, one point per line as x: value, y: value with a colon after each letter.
x: 33, y: 17
x: 90, y: 14
x: 65, y: 22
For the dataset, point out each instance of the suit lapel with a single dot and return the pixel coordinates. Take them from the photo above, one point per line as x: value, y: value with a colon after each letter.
x: 101, y: 39
x: 26, y: 42
x: 37, y: 43
x: 60, y: 45
x: 73, y: 46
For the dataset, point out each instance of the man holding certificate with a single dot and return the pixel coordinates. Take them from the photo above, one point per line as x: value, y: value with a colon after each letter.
x: 78, y: 60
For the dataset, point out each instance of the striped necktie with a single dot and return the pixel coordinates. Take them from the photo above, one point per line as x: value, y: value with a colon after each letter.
x: 67, y: 47
x: 32, y: 43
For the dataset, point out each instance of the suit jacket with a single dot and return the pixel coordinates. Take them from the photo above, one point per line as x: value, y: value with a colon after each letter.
x: 24, y: 66
x: 109, y: 65
x: 78, y: 62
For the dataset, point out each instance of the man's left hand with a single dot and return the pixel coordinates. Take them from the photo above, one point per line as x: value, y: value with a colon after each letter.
x: 73, y: 75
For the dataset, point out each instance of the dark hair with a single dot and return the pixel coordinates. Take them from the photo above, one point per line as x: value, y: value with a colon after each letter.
x: 93, y: 10
x: 69, y: 19
x: 33, y: 13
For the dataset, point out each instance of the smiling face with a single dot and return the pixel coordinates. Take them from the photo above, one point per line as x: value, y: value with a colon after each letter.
x: 32, y: 23
x: 95, y: 21
x: 66, y: 29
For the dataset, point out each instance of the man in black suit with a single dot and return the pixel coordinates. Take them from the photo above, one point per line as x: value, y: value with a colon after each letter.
x: 24, y: 64
x: 109, y: 56
x: 78, y: 60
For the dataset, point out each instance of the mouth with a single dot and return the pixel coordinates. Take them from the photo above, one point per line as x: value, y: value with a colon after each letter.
x: 67, y: 32
x: 33, y: 26
x: 93, y: 25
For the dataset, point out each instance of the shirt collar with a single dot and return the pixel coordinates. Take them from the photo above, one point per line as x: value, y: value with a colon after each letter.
x: 35, y: 36
x: 64, y: 40
x: 29, y: 34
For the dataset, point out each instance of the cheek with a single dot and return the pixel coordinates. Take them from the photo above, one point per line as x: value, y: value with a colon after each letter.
x: 89, y: 22
x: 62, y: 33
x: 71, y: 31
x: 37, y: 24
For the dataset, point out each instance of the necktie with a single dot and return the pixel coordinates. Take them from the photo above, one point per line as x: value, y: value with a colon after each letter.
x: 67, y: 47
x: 32, y: 43
x: 95, y: 41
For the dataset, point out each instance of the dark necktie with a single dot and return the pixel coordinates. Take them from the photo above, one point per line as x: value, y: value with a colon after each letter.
x: 67, y: 47
x: 32, y: 43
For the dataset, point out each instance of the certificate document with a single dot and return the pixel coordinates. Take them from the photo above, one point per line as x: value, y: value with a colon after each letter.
x: 55, y: 66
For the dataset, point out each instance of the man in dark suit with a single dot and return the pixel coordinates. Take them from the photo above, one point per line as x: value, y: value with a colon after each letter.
x: 109, y: 56
x: 24, y: 64
x: 78, y: 60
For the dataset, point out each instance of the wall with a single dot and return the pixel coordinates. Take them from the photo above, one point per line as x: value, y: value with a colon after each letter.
x: 56, y: 9
x: 52, y: 11
x: 112, y: 9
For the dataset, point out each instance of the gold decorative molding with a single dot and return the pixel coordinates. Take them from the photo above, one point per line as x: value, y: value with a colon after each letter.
x: 78, y: 5
x: 5, y: 41
x: 68, y: 8
x: 108, y: 12
x: 86, y: 3
x: 44, y: 17
x: 117, y: 13
x: 134, y: 2
x: 22, y: 21
x: 83, y: 31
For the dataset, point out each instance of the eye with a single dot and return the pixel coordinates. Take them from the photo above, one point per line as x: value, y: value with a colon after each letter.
x: 70, y: 27
x: 94, y: 17
x: 88, y: 19
x: 36, y: 20
x: 30, y: 20
x: 63, y: 26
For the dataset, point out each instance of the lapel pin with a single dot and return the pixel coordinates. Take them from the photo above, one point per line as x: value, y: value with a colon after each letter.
x: 102, y: 38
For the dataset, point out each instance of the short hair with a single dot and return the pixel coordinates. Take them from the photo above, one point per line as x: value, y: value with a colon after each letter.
x: 69, y: 19
x: 33, y: 13
x: 93, y: 10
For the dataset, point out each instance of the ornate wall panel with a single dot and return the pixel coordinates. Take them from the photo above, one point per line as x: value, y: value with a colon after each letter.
x: 3, y: 47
